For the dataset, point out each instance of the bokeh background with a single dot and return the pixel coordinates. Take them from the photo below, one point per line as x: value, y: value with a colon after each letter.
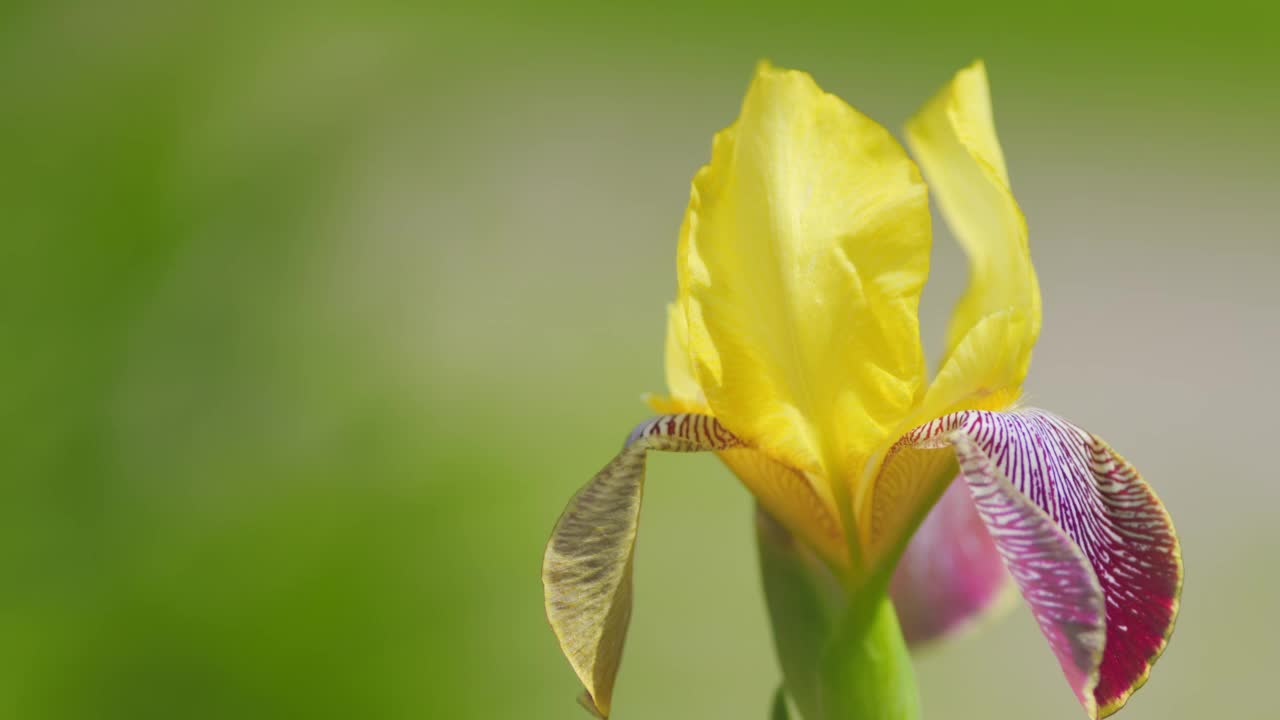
x: 315, y: 315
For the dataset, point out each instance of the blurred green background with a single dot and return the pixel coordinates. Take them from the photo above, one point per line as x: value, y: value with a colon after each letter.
x: 314, y: 317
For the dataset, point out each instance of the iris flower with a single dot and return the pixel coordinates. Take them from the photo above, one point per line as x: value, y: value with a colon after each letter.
x: 893, y: 508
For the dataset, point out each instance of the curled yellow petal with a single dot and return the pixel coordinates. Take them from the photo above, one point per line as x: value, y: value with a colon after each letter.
x: 802, y: 257
x: 997, y: 321
x: 682, y: 384
x: 787, y: 494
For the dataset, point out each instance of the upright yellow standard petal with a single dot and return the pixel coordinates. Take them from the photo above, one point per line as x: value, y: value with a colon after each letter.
x: 682, y: 384
x: 998, y: 319
x: 802, y: 257
x: 788, y: 495
x: 684, y: 395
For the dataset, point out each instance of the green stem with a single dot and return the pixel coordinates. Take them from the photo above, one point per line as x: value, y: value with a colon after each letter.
x: 843, y: 656
x: 866, y: 671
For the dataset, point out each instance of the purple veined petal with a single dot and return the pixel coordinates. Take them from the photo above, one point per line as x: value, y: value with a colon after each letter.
x: 951, y: 572
x: 1053, y: 575
x: 1100, y: 512
x: 586, y: 569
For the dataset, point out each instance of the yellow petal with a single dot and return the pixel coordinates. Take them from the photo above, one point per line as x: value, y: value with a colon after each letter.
x: 684, y: 395
x: 801, y: 260
x: 790, y: 498
x: 681, y: 382
x: 788, y: 495
x: 997, y: 320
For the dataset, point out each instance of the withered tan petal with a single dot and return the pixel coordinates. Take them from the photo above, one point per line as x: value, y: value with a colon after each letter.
x: 586, y: 569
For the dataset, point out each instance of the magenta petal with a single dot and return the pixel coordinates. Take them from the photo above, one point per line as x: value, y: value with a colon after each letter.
x: 1100, y: 512
x: 950, y: 572
x: 1054, y: 576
